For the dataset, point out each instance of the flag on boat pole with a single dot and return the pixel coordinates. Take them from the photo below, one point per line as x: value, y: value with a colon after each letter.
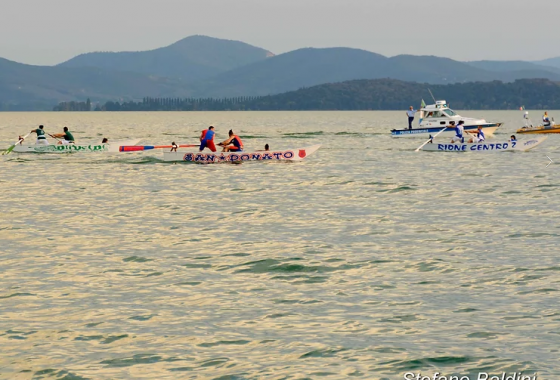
x: 422, y: 105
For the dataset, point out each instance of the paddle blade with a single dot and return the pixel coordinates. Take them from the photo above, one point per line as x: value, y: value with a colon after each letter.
x: 14, y: 145
x: 7, y: 151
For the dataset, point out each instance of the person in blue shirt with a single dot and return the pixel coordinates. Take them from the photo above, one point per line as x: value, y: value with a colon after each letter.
x: 207, y: 139
x: 232, y: 144
x: 459, y: 130
x: 410, y: 113
x: 478, y: 136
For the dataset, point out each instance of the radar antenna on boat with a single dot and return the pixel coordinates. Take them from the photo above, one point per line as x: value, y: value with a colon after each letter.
x: 430, y: 91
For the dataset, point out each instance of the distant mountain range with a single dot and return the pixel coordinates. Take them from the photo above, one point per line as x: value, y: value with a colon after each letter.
x: 554, y: 62
x: 26, y: 87
x: 200, y: 66
x: 191, y: 59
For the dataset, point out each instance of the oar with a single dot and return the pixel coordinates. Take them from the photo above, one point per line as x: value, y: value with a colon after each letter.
x: 54, y: 138
x: 138, y: 148
x: 430, y: 139
x: 14, y: 145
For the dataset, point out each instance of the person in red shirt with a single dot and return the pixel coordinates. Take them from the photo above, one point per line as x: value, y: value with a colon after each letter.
x: 232, y: 144
x: 207, y: 139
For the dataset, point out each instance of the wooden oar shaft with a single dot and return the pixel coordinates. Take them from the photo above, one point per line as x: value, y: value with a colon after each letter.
x: 14, y: 144
x: 430, y: 139
x: 53, y: 137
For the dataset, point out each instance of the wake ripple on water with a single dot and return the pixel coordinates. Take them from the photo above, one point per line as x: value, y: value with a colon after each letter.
x: 357, y: 262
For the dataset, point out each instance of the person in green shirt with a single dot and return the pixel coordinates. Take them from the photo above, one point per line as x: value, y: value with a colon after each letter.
x: 67, y: 136
x: 41, y: 137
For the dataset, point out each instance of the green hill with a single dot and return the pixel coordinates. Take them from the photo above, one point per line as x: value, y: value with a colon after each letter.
x: 378, y: 94
x: 190, y: 59
x: 390, y: 94
x: 551, y: 62
x: 27, y: 87
x: 310, y: 67
x: 201, y: 66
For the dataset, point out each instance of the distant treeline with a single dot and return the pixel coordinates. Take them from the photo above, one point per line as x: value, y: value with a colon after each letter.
x: 73, y: 106
x: 379, y: 94
x: 188, y: 104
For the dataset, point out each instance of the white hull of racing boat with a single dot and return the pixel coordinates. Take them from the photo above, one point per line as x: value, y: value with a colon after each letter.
x: 224, y: 157
x: 485, y: 146
x: 112, y: 147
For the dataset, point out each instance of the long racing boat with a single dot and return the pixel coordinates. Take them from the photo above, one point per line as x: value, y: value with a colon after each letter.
x: 224, y: 157
x: 485, y: 146
x: 436, y: 117
x: 111, y: 147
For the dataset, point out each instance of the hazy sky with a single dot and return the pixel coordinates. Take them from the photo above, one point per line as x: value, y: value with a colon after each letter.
x: 52, y: 31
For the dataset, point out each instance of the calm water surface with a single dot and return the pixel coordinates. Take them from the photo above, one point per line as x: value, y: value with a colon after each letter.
x: 365, y: 260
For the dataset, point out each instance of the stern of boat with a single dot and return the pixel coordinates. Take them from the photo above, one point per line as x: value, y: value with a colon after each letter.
x: 304, y: 152
x: 490, y: 129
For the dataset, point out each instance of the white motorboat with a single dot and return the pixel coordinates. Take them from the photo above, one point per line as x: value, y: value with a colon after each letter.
x: 435, y: 117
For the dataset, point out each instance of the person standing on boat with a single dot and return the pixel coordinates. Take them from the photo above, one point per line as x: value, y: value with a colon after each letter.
x: 411, y: 113
x: 66, y: 135
x: 232, y: 144
x: 546, y: 120
x: 41, y: 138
x: 207, y: 139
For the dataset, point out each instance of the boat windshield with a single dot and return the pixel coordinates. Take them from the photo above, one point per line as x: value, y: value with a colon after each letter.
x: 450, y: 112
x: 435, y: 114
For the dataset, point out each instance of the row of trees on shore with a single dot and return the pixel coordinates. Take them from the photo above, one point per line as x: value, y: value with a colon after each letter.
x: 73, y: 106
x: 379, y: 94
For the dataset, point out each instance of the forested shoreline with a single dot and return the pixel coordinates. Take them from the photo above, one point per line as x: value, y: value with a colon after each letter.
x: 380, y: 94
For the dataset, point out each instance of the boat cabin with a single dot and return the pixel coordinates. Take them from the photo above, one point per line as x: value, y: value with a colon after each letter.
x: 438, y: 114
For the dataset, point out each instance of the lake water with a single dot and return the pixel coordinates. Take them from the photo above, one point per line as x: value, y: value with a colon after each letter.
x: 365, y: 260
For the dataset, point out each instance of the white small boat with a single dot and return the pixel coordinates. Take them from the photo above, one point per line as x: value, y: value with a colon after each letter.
x: 501, y: 146
x: 223, y: 157
x: 436, y: 117
x: 112, y: 147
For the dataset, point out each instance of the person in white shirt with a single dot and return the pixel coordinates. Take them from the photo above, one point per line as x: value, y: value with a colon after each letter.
x: 410, y: 113
x: 459, y: 130
x: 478, y: 136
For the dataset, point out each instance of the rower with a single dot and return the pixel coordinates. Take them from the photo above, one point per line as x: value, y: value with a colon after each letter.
x: 105, y: 140
x: 173, y: 147
x: 232, y: 144
x: 512, y: 138
x: 207, y: 139
x: 67, y: 136
x: 459, y: 129
x: 41, y: 138
x: 479, y: 136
